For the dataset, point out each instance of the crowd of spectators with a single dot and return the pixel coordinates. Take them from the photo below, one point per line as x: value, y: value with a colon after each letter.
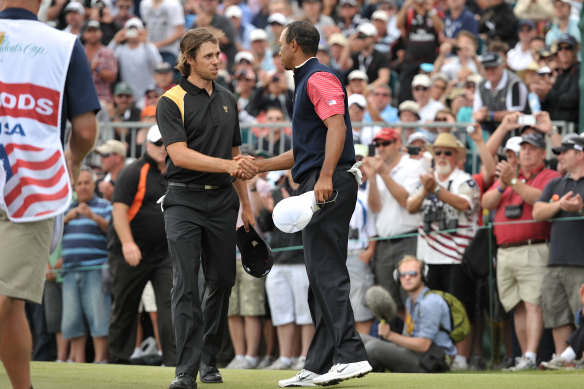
x: 512, y: 69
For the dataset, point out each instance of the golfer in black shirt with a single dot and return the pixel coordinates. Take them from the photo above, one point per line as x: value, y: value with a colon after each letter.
x: 199, y: 125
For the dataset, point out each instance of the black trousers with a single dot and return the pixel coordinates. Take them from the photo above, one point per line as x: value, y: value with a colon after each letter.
x: 325, y: 249
x: 576, y: 341
x: 127, y: 286
x: 200, y: 225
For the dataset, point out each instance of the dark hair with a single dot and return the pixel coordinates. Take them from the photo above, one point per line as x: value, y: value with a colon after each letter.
x: 190, y: 44
x: 468, y: 35
x: 305, y: 34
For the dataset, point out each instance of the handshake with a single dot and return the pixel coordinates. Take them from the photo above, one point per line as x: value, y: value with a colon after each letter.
x: 243, y: 167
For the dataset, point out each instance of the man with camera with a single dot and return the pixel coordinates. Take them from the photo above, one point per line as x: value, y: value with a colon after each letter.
x: 392, y: 177
x: 448, y: 202
x: 422, y: 346
x: 523, y: 252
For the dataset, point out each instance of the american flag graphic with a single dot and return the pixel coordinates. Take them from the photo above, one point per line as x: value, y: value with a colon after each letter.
x: 36, y: 181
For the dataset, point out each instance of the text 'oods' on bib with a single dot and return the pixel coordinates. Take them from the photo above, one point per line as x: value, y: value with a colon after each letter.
x: 34, y: 58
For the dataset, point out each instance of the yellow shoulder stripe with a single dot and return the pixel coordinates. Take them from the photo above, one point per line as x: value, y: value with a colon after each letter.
x: 177, y: 95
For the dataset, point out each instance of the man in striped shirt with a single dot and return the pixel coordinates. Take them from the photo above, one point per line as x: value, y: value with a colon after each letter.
x: 84, y: 253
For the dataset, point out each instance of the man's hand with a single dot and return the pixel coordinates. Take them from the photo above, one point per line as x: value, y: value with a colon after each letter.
x: 50, y: 275
x: 505, y: 172
x: 509, y: 122
x: 570, y: 202
x: 480, y: 115
x: 544, y: 122
x: 247, y: 217
x: 445, y: 48
x: 384, y: 330
x: 244, y: 167
x: 477, y: 134
x: 132, y: 253
x: 428, y: 181
x: 379, y: 165
x: 323, y: 188
x: 85, y: 210
x: 368, y: 167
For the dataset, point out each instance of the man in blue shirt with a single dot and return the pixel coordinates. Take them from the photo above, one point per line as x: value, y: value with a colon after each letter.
x: 427, y: 320
x: 458, y: 18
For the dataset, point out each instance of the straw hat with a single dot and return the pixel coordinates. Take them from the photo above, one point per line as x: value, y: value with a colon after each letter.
x: 446, y: 139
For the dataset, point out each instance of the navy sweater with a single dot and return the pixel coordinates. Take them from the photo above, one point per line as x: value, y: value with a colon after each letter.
x: 309, y: 131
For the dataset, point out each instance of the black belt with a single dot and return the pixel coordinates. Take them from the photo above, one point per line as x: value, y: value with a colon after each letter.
x: 196, y: 186
x: 523, y: 243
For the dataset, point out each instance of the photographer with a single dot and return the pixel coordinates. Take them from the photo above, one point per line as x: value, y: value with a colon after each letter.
x: 448, y: 203
x: 423, y: 337
x: 523, y: 252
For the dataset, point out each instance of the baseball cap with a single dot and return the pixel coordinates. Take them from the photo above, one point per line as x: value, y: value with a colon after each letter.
x: 75, y: 7
x: 256, y: 256
x: 367, y: 29
x: 421, y: 80
x: 475, y: 77
x: 123, y: 88
x: 361, y: 150
x: 154, y: 134
x: 163, y: 67
x: 295, y: 212
x: 491, y: 60
x: 134, y: 23
x: 258, y: 35
x: 233, y: 11
x: 534, y: 139
x: 96, y: 3
x: 244, y: 56
x: 248, y: 74
x: 148, y: 111
x: 358, y: 75
x: 386, y: 133
x: 456, y: 92
x: 337, y: 39
x: 352, y: 3
x: 278, y: 18
x: 527, y: 22
x: 567, y: 39
x: 416, y: 136
x: 409, y: 105
x: 513, y: 144
x: 112, y: 146
x: 358, y: 99
x: 542, y: 71
x: 89, y: 24
x: 380, y: 15
x: 570, y: 141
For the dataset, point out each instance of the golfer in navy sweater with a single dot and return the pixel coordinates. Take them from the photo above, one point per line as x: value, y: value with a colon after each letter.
x: 322, y: 154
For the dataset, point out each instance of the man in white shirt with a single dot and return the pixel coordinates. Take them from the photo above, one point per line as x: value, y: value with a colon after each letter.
x: 392, y: 177
x: 519, y: 57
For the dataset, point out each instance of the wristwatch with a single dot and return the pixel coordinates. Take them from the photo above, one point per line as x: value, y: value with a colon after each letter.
x: 437, y: 190
x: 513, y: 181
x: 554, y: 130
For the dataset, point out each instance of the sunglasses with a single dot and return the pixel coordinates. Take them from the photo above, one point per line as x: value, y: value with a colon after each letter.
x: 440, y: 119
x: 411, y: 273
x: 565, y: 48
x: 105, y: 155
x: 470, y: 85
x: 381, y: 94
x: 420, y: 88
x: 384, y: 143
x: 330, y: 201
x: 447, y: 153
x: 158, y: 143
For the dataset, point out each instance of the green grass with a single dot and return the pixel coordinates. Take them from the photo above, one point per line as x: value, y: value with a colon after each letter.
x: 48, y: 375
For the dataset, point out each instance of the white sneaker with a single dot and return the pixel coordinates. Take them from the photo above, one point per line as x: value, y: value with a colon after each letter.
x: 557, y: 363
x: 459, y: 364
x: 343, y: 371
x: 522, y: 363
x: 298, y: 364
x: 265, y: 362
x: 303, y: 378
x: 279, y: 364
x: 240, y: 363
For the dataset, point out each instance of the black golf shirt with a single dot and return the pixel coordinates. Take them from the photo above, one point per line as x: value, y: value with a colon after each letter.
x: 208, y: 124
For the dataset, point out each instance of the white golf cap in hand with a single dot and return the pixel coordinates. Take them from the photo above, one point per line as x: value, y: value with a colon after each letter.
x: 294, y: 213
